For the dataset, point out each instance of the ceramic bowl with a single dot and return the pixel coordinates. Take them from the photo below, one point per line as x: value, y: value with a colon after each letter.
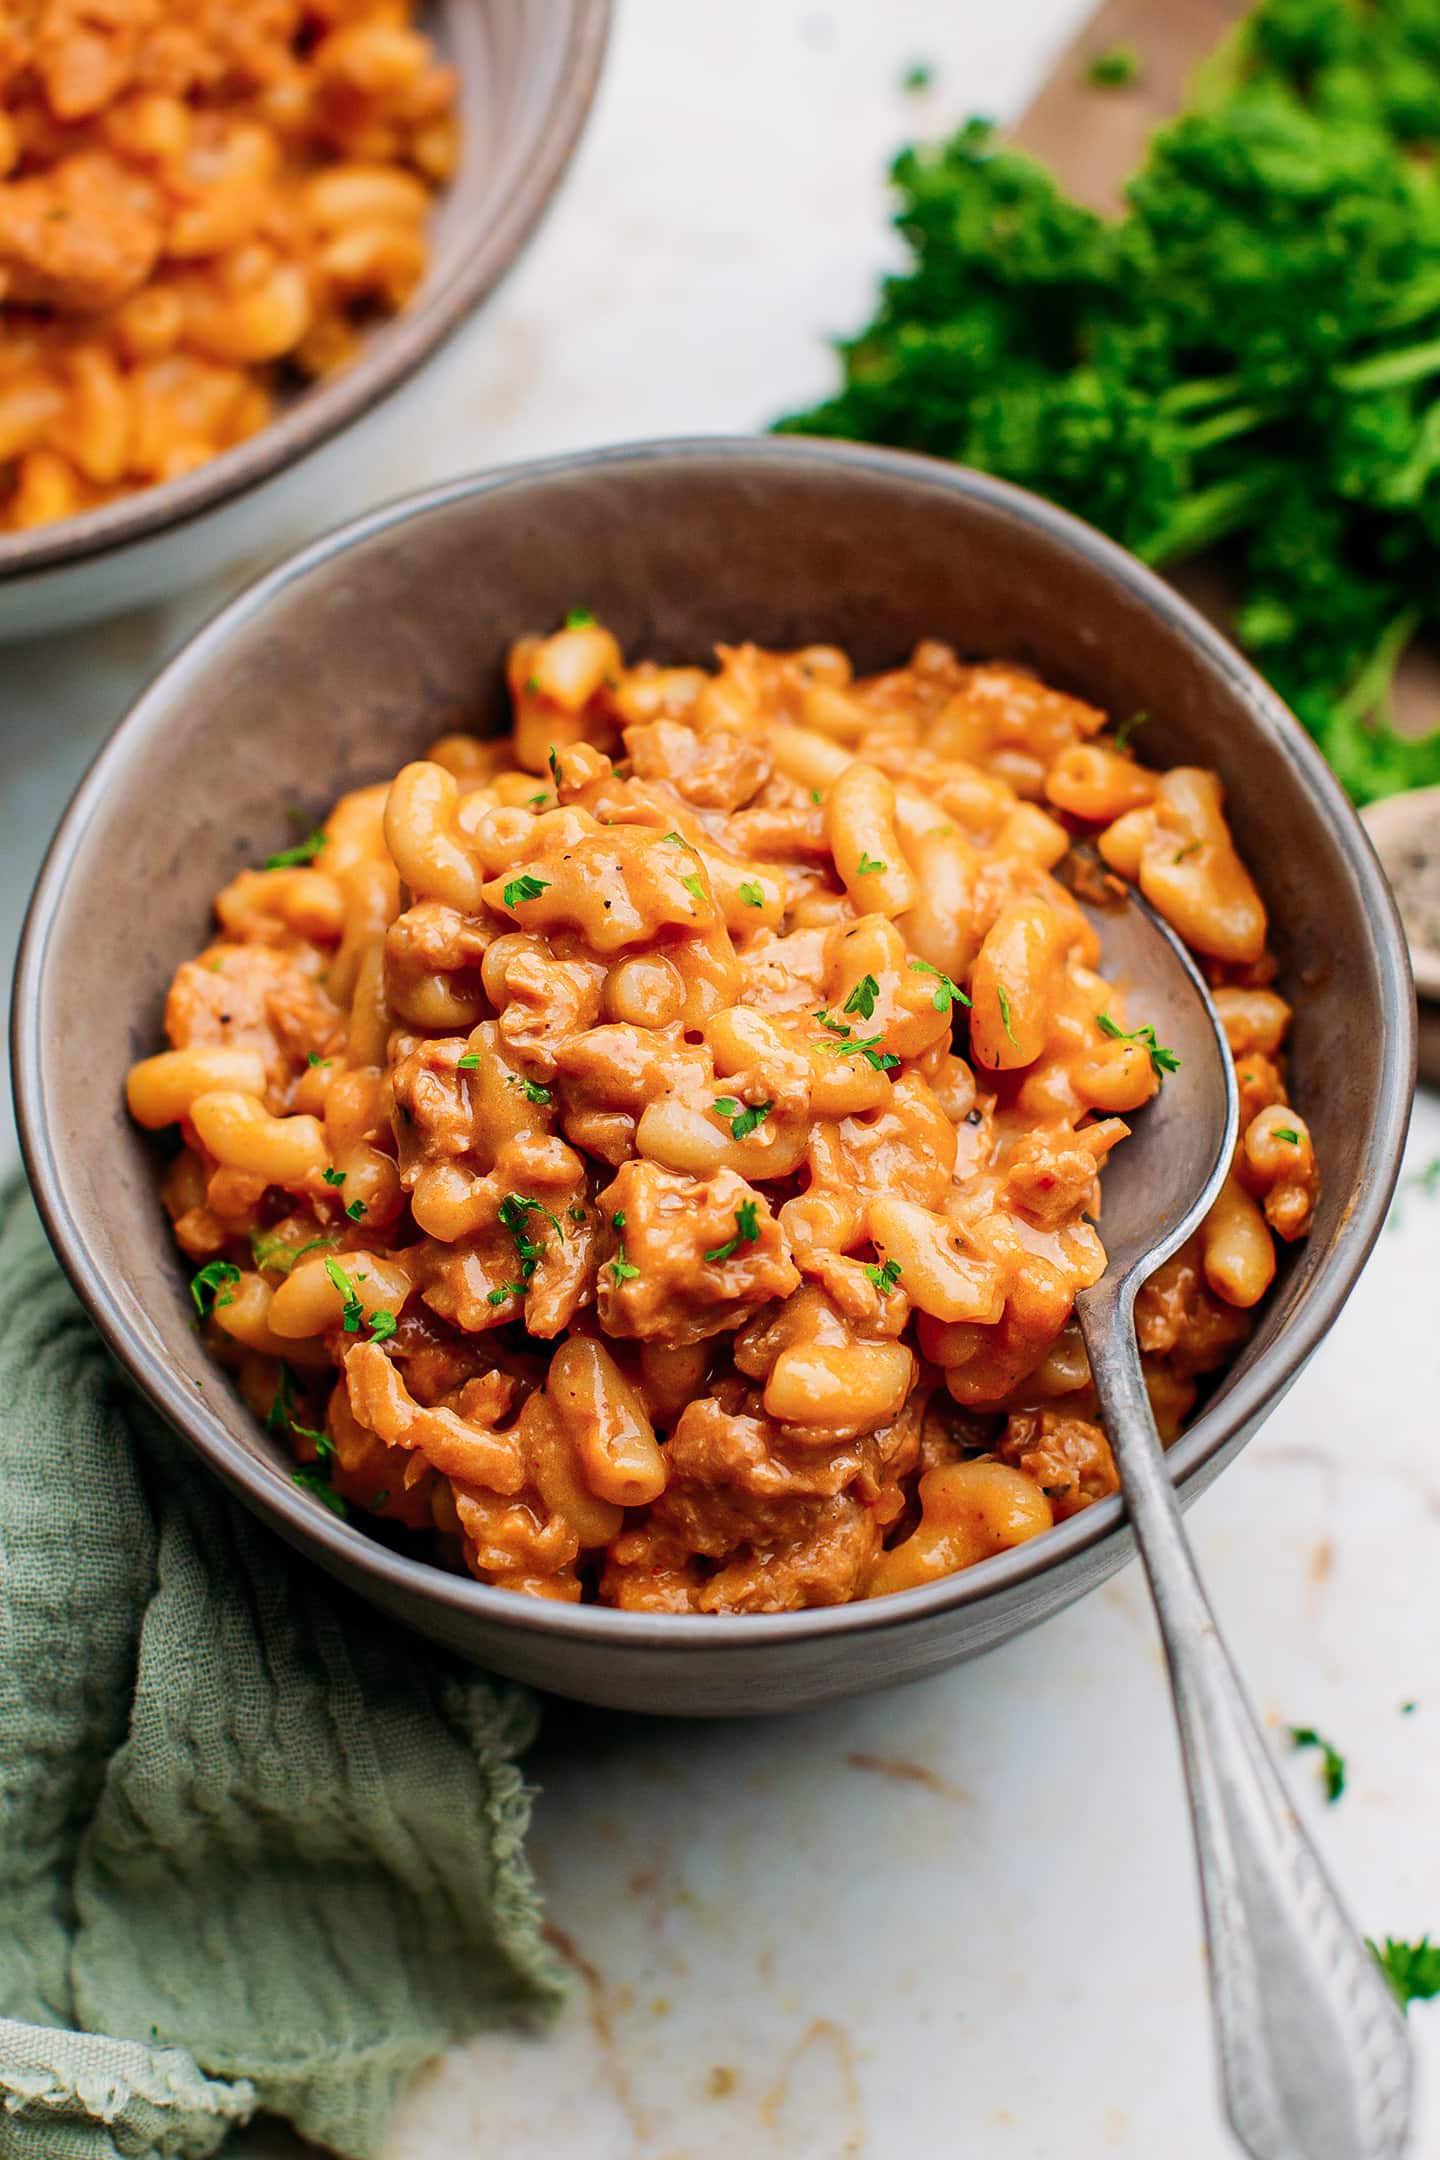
x: 527, y: 75
x: 336, y: 668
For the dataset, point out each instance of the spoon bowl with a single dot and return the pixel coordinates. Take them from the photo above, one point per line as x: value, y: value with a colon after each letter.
x: 1314, y: 2059
x: 1161, y: 1182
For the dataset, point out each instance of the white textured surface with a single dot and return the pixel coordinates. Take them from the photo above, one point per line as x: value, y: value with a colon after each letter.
x: 959, y: 1919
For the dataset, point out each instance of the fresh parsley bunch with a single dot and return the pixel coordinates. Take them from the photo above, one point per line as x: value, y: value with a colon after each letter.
x: 1248, y: 359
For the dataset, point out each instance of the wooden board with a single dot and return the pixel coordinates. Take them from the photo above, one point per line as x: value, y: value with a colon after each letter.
x: 1093, y: 139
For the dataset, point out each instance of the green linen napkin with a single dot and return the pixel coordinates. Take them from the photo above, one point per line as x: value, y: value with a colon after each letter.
x: 260, y: 1848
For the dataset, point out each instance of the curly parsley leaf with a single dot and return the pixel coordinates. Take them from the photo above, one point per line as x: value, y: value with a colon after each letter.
x: 1162, y: 1060
x: 884, y: 1277
x: 947, y: 993
x: 355, y: 1210
x: 693, y: 886
x: 743, y: 1119
x: 305, y: 851
x: 524, y: 888
x: 530, y: 1089
x: 352, y: 1312
x: 1413, y: 1969
x: 207, y: 1283
x: 332, y: 1176
x: 747, y: 1230
x: 867, y: 865
x: 1115, y: 69
x: 269, y: 1250
x: 862, y: 998
x: 751, y: 893
x: 469, y: 1063
x: 311, y: 1478
x: 1285, y: 1132
x: 1332, y: 1768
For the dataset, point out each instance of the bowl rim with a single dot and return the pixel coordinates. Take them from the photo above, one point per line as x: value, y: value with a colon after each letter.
x: 411, y: 338
x: 1223, y: 1423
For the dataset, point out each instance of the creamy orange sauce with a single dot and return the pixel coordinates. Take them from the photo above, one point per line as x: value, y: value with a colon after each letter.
x: 654, y: 1155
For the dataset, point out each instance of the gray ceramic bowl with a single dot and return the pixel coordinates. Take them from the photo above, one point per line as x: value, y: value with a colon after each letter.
x: 527, y: 74
x: 345, y: 662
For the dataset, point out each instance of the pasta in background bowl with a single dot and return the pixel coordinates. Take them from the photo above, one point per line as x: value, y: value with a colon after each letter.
x: 392, y: 640
x: 227, y: 233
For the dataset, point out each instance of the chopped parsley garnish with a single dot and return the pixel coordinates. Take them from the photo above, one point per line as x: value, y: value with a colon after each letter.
x: 867, y: 865
x: 1285, y: 1132
x: 207, y: 1283
x: 620, y: 1267
x: 537, y: 802
x: 509, y: 1289
x: 1127, y: 728
x: 532, y: 684
x: 554, y: 763
x: 747, y: 1230
x: 751, y: 893
x: 282, y: 1402
x: 1408, y: 1709
x: 1413, y: 1969
x: 678, y: 840
x: 1115, y: 69
x: 693, y: 886
x: 532, y: 1090
x: 836, y: 1027
x: 382, y: 1325
x: 469, y: 1062
x: 316, y: 1062
x: 355, y: 1210
x: 332, y: 1176
x: 1191, y: 847
x: 312, y: 1479
x: 576, y: 1214
x: 269, y: 1250
x: 866, y: 1046
x: 862, y: 998
x: 917, y: 77
x: 1162, y: 1060
x: 743, y: 1120
x: 815, y: 794
x: 352, y: 1312
x: 524, y: 888
x: 1332, y: 1768
x: 884, y: 1277
x: 947, y: 993
x: 304, y: 851
x: 579, y: 618
x: 515, y: 1212
x: 1003, y: 996
x: 281, y: 1415
x: 378, y: 1499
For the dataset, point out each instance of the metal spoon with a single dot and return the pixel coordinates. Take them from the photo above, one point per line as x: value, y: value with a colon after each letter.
x: 1314, y: 2059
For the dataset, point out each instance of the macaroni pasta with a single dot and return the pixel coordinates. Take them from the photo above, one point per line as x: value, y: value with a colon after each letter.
x: 653, y: 1156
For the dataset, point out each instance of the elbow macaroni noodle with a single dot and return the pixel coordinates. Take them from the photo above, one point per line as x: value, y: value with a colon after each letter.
x: 652, y: 1157
x: 195, y: 196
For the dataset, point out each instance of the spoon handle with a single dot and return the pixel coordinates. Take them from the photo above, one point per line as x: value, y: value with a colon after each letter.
x: 1314, y: 2059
